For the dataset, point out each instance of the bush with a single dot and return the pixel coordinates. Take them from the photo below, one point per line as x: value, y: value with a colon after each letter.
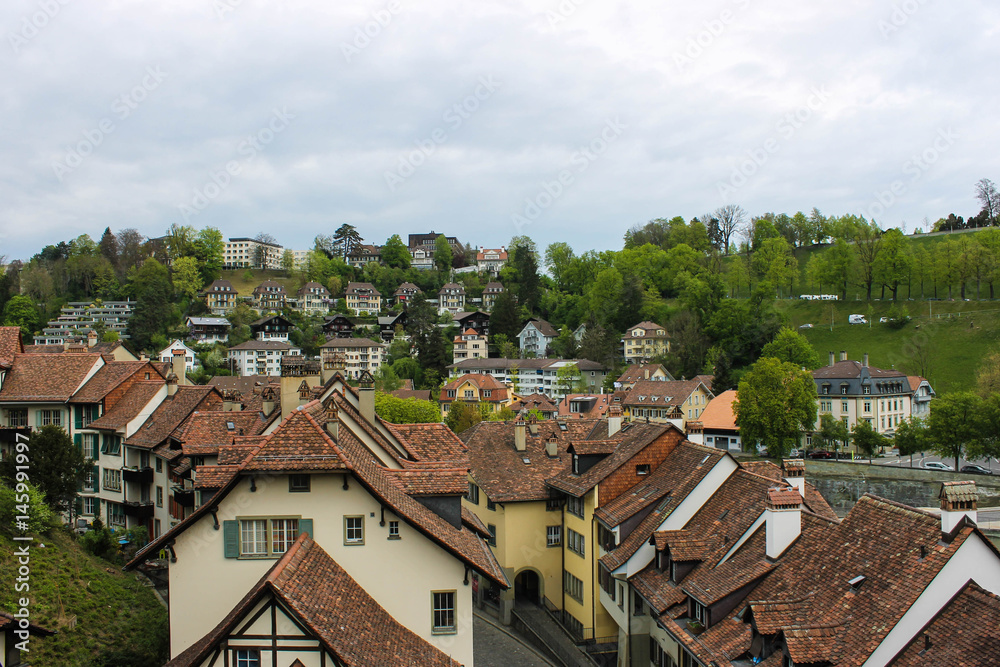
x: 40, y: 515
x: 897, y: 317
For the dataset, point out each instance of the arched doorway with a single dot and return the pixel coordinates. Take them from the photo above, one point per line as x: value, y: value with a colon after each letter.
x: 527, y: 587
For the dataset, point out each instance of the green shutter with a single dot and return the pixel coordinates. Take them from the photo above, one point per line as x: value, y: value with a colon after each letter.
x: 97, y: 477
x: 78, y: 441
x: 231, y: 538
x: 78, y: 416
x: 38, y: 418
x: 306, y: 526
x: 97, y: 448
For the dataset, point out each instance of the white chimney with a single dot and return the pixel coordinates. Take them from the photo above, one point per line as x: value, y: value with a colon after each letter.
x: 366, y: 396
x: 843, y: 355
x: 795, y: 474
x: 552, y: 447
x: 782, y: 520
x: 614, y: 419
x: 332, y: 420
x: 520, y: 436
x: 958, y: 501
x: 865, y: 362
x: 833, y: 358
x: 179, y: 365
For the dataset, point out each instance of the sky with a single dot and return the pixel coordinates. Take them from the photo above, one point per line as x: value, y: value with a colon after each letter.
x: 565, y: 120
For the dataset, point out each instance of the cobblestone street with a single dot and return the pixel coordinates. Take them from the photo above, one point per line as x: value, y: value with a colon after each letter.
x: 495, y: 648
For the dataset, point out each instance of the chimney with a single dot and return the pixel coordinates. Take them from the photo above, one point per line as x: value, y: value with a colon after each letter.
x: 614, y: 419
x: 959, y: 500
x: 179, y: 366
x: 782, y: 520
x: 843, y: 355
x: 366, y: 396
x: 91, y: 338
x: 305, y: 393
x: 833, y: 358
x: 645, y: 372
x: 552, y: 447
x: 332, y: 420
x: 171, y: 383
x: 865, y: 362
x: 267, y: 400
x: 520, y: 436
x: 795, y: 474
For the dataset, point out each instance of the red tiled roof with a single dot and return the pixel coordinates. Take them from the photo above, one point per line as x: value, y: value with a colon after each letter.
x: 638, y: 372
x: 332, y: 606
x: 169, y: 414
x: 433, y: 442
x: 107, y: 378
x: 10, y: 344
x: 432, y: 481
x: 47, y: 377
x: 129, y: 406
x: 655, y: 393
x: 718, y: 414
x: 483, y: 382
x: 212, y: 427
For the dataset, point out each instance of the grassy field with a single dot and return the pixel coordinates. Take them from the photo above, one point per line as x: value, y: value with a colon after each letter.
x: 113, y: 611
x: 947, y: 347
x: 246, y: 287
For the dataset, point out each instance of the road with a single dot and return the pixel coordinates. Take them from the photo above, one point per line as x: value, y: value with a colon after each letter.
x: 493, y: 646
x: 919, y: 461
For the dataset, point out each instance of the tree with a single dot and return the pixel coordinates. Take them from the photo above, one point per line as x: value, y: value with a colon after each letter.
x: 154, y: 303
x: 895, y: 263
x: 287, y: 261
x: 953, y: 424
x: 558, y: 257
x: 523, y: 258
x: 868, y: 249
x: 109, y: 247
x: 186, y: 278
x: 774, y: 263
x: 986, y: 193
x: 395, y: 254
x: 130, y: 250
x: 599, y: 344
x: 730, y: 218
x: 911, y: 437
x: 442, y: 253
x: 12, y: 506
x: 406, y: 410
x: 791, y: 346
x: 867, y: 439
x: 462, y: 415
x: 57, y: 466
x: 180, y: 241
x: 209, y: 249
x: 345, y: 239
x: 833, y: 433
x: 569, y: 380
x: 565, y: 346
x: 504, y: 318
x: 20, y: 311
x: 386, y: 379
x: 263, y: 239
x: 775, y: 402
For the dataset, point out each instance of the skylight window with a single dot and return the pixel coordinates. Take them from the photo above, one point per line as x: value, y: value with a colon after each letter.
x: 230, y: 426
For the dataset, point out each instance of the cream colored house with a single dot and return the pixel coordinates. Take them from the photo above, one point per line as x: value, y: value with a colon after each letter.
x: 332, y: 484
x: 676, y: 402
x: 353, y: 355
x: 645, y: 341
x: 852, y: 390
x: 363, y: 298
x: 470, y: 345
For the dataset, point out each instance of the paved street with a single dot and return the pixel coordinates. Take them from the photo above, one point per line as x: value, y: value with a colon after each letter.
x: 493, y: 647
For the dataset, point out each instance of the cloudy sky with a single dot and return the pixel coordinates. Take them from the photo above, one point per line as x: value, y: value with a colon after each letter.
x: 565, y: 120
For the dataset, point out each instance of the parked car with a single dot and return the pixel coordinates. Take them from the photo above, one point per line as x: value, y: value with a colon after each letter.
x: 821, y: 454
x: 805, y: 326
x: 883, y: 320
x: 937, y: 465
x: 974, y: 469
x: 796, y: 453
x: 857, y: 319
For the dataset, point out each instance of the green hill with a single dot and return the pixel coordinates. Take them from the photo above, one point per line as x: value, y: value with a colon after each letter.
x: 119, y: 622
x: 945, y: 341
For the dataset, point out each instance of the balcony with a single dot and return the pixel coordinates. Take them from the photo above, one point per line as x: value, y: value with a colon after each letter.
x: 138, y: 475
x: 184, y: 497
x: 141, y: 510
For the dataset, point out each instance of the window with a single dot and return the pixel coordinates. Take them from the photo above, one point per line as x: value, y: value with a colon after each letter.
x: 638, y: 606
x: 253, y: 537
x: 642, y: 469
x: 843, y: 406
x: 553, y: 536
x: 156, y: 528
x: 451, y: 393
x: 159, y: 496
x: 116, y: 514
x: 90, y: 445
x: 443, y: 612
x: 490, y: 505
x: 394, y: 530
x: 574, y: 506
x: 17, y: 418
x: 572, y: 586
x: 698, y: 612
x: 112, y: 479
x: 283, y: 534
x: 867, y: 389
x: 112, y: 444
x: 159, y: 464
x: 90, y: 479
x: 354, y: 530
x: 261, y: 537
x: 606, y: 538
x: 468, y: 393
x: 576, y: 542
x: 658, y: 657
x: 46, y: 417
x: 552, y: 505
x: 88, y: 506
x: 298, y: 483
x: 473, y: 493
x: 487, y: 393
x: 493, y: 534
x: 247, y: 657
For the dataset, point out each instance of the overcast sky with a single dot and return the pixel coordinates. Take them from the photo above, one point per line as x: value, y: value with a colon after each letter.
x: 566, y: 121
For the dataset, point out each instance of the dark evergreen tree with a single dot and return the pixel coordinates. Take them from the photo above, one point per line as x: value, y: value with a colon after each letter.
x: 57, y: 466
x: 505, y: 318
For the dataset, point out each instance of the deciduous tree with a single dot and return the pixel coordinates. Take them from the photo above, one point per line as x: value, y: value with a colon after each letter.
x: 954, y: 425
x: 775, y: 402
x: 791, y: 346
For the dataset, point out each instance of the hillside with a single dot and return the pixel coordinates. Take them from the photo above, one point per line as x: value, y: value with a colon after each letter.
x: 948, y: 347
x: 119, y: 621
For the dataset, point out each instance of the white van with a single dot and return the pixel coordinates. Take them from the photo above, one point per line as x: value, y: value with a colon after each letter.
x: 857, y: 319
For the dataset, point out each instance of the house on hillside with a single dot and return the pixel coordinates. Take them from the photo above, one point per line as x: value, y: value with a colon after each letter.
x: 260, y: 357
x: 220, y: 297
x: 640, y: 373
x: 536, y: 336
x: 852, y: 390
x: 269, y: 297
x: 208, y: 329
x: 363, y: 298
x: 313, y: 298
x: 676, y: 402
x: 166, y: 355
x: 644, y: 341
x: 717, y: 426
x: 353, y: 356
x: 491, y: 260
x: 475, y: 388
x: 363, y: 253
x: 338, y: 326
x: 273, y: 327
x: 451, y: 298
x: 469, y: 345
x: 404, y: 293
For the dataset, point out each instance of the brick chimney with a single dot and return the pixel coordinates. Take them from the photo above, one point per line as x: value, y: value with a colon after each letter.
x: 91, y: 338
x: 958, y: 501
x: 614, y: 419
x: 520, y: 434
x: 267, y: 396
x: 795, y: 474
x: 782, y: 519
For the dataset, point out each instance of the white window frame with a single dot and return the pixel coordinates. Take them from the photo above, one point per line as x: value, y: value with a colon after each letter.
x: 354, y: 530
x: 444, y: 612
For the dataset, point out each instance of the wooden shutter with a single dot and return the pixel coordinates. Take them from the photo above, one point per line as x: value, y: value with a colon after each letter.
x: 78, y: 441
x: 306, y: 526
x: 97, y: 477
x: 231, y: 538
x: 38, y: 418
x: 78, y: 416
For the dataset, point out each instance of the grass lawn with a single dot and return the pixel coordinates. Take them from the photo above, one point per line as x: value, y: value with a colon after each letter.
x: 113, y: 611
x: 246, y: 287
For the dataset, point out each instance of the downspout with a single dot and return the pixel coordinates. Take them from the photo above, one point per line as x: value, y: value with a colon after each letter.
x: 593, y: 568
x: 562, y: 552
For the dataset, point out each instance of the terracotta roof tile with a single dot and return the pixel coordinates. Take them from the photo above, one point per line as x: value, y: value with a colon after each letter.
x: 171, y: 412
x: 638, y: 372
x: 333, y: 607
x: 432, y: 481
x: 10, y: 344
x: 655, y: 393
x: 718, y: 414
x: 47, y: 377
x: 433, y: 442
x: 964, y: 633
x: 214, y: 477
x: 129, y: 405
